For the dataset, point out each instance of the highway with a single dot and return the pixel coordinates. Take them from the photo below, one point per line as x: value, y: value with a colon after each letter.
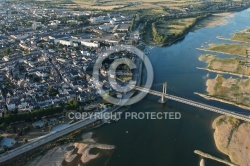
x: 196, y: 104
x: 44, y: 139
x: 51, y: 136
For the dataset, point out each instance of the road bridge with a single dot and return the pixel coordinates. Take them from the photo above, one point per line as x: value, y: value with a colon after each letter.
x: 163, y: 95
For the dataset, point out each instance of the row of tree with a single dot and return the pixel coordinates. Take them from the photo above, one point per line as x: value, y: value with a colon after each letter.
x: 158, y: 38
x: 28, y: 116
x: 14, y: 117
x: 163, y: 39
x: 132, y: 25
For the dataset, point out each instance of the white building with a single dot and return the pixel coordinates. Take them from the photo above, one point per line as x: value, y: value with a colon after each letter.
x: 54, y: 23
x: 105, y: 27
x: 100, y: 19
x: 87, y: 43
x: 43, y: 75
x: 19, y: 37
x: 63, y: 42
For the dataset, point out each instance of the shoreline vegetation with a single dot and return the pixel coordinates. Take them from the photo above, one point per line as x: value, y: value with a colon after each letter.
x: 221, y: 100
x: 228, y: 49
x: 164, y: 32
x: 241, y: 37
x: 232, y: 66
x: 222, y: 72
x: 230, y: 39
x: 231, y: 135
x: 231, y: 90
x: 168, y: 32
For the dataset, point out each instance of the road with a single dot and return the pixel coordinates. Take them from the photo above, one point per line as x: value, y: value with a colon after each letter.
x: 51, y: 136
x: 45, y: 139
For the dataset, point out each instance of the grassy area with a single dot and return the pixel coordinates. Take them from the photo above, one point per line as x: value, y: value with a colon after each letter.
x: 167, y: 31
x: 171, y: 30
x: 228, y: 65
x: 243, y: 37
x: 233, y: 49
x: 174, y: 27
x: 157, y: 5
x: 126, y: 5
x: 231, y: 89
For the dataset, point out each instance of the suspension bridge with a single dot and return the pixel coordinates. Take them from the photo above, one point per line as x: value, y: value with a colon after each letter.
x: 163, y: 96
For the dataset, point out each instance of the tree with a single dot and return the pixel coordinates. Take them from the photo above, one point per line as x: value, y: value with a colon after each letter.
x: 46, y: 124
x: 25, y: 140
x: 133, y: 42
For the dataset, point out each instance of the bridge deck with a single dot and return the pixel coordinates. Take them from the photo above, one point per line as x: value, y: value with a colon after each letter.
x: 197, y: 104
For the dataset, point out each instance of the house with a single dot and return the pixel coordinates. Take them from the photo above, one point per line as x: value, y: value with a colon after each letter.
x: 105, y: 27
x: 100, y: 19
x: 63, y: 42
x: 87, y: 43
x: 123, y: 27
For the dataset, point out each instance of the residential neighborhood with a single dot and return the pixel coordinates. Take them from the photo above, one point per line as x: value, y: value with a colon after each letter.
x: 46, y: 62
x: 46, y: 65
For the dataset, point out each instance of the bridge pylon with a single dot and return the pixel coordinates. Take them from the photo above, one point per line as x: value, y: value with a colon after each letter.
x: 164, y: 92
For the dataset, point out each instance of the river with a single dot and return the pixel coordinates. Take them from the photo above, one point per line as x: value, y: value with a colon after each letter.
x: 172, y: 142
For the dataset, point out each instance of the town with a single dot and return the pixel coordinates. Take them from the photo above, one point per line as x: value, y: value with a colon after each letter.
x: 49, y: 51
x: 47, y: 58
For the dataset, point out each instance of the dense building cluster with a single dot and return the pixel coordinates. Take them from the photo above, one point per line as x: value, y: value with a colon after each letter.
x: 47, y: 54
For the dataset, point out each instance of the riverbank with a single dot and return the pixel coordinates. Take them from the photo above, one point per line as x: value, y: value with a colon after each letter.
x: 228, y: 39
x: 209, y: 20
x: 222, y: 72
x: 168, y: 32
x: 232, y: 137
x: 221, y: 100
x: 227, y: 52
x: 230, y: 90
x: 73, y: 152
x: 233, y: 66
x: 216, y: 19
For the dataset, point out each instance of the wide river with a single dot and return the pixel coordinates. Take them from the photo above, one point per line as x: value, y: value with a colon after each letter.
x: 172, y: 142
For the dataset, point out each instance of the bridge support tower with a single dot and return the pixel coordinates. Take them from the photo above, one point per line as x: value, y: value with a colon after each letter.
x: 164, y: 92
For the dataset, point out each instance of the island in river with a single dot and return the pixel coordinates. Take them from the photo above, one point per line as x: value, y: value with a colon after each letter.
x: 232, y: 137
x: 229, y: 90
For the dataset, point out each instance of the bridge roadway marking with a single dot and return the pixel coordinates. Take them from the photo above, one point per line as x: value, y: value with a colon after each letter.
x: 196, y: 104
